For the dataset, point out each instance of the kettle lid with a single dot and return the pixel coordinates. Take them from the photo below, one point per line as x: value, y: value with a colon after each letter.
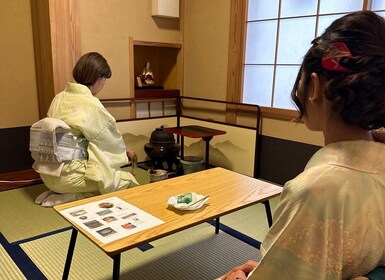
x: 160, y: 136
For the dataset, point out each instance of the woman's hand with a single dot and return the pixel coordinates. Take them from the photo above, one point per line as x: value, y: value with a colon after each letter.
x: 132, y: 156
x: 235, y: 275
x: 240, y: 271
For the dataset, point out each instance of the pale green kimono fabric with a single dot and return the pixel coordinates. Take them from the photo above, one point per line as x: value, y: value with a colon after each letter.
x: 330, y: 222
x: 101, y: 173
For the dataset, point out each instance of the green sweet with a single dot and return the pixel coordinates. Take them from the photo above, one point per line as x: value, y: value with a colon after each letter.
x: 184, y: 198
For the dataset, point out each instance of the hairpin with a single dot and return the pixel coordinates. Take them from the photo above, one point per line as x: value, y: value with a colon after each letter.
x: 331, y: 58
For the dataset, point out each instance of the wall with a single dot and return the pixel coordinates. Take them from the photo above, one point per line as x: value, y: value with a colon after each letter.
x: 14, y: 149
x: 206, y: 40
x: 285, y: 146
x: 106, y: 27
x: 18, y: 106
x: 206, y: 44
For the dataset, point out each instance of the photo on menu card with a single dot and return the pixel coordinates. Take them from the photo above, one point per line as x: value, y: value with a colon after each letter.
x: 104, y: 212
x: 129, y: 216
x: 93, y: 224
x: 78, y: 213
x: 129, y: 226
x: 106, y: 232
x: 109, y: 219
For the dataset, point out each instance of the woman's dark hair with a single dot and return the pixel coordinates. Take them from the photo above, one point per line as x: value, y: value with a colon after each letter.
x: 357, y: 95
x: 90, y: 67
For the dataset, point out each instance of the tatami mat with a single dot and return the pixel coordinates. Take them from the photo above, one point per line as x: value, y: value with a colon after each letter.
x: 21, y: 218
x: 141, y: 175
x: 196, y: 253
x: 252, y: 220
x: 8, y: 269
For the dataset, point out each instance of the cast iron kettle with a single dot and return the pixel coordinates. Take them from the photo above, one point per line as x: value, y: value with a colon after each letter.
x: 162, y: 147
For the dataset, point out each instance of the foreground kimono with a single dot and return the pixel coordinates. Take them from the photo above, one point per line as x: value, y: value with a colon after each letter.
x: 330, y: 222
x: 88, y: 119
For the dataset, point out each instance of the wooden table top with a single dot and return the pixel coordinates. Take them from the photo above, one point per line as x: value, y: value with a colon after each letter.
x: 194, y: 131
x: 229, y: 191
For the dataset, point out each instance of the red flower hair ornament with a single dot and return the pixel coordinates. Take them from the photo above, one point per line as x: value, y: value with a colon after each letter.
x: 331, y: 58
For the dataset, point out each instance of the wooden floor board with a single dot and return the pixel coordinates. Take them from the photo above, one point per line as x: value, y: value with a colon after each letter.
x: 17, y: 179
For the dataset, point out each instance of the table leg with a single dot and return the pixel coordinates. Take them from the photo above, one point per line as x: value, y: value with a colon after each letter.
x: 116, y: 270
x: 70, y: 253
x: 182, y: 147
x: 217, y: 225
x: 207, y: 154
x: 268, y: 212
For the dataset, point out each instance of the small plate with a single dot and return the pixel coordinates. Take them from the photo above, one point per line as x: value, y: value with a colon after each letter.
x: 188, y: 201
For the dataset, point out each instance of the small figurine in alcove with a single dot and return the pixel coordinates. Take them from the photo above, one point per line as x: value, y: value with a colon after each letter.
x: 147, y: 76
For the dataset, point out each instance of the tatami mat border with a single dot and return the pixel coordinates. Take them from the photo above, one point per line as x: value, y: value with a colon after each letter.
x: 41, y: 236
x: 31, y: 271
x: 237, y: 234
x: 21, y: 259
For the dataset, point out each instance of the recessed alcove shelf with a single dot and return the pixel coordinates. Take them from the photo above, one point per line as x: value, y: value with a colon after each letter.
x: 165, y: 63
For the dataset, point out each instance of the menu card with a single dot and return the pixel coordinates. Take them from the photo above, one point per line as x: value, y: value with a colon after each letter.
x: 110, y: 219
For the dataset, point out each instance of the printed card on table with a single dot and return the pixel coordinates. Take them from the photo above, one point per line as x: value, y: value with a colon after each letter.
x: 110, y: 219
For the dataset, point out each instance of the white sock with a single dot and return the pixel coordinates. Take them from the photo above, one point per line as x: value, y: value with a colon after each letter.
x: 43, y: 196
x: 58, y: 198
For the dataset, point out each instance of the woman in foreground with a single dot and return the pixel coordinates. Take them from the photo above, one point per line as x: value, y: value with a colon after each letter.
x: 330, y: 221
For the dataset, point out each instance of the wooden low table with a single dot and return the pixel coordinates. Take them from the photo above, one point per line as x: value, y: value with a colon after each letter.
x: 196, y: 131
x: 229, y: 191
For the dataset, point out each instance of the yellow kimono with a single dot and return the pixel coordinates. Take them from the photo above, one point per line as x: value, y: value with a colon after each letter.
x: 330, y: 222
x: 88, y: 118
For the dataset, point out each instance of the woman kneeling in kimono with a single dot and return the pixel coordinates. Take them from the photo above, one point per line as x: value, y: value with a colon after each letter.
x: 86, y: 150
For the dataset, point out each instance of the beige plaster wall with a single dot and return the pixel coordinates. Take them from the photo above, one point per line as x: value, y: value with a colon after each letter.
x: 206, y: 44
x: 291, y: 131
x: 106, y: 27
x: 18, y: 105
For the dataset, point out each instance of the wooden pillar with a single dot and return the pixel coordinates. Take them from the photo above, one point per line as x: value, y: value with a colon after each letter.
x: 236, y: 55
x: 56, y: 36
